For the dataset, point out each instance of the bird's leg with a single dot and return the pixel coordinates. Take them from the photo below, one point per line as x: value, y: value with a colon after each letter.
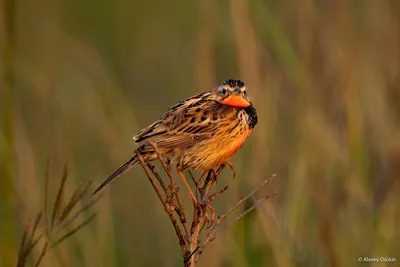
x: 203, y: 175
x: 215, y: 175
x: 199, y: 188
x: 167, y: 166
x: 195, y: 183
x: 206, y: 222
x: 185, y: 183
x: 212, y: 211
x: 206, y: 177
x: 219, y: 170
x: 232, y: 168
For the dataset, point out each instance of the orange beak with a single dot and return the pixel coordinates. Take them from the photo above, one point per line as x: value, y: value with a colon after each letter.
x: 235, y: 101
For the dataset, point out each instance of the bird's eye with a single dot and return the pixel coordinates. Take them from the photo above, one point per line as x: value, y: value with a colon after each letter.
x: 223, y: 91
x: 245, y: 93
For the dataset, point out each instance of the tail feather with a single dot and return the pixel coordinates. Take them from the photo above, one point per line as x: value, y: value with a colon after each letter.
x: 117, y: 173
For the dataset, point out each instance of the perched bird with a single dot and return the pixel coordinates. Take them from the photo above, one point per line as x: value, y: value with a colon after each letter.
x: 199, y: 133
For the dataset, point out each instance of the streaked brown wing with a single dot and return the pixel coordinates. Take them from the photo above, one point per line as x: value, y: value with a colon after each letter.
x: 152, y: 130
x: 168, y: 142
x: 177, y: 118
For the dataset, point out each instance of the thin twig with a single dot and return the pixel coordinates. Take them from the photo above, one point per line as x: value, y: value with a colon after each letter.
x: 212, y: 197
x: 167, y: 206
x: 160, y: 196
x: 181, y: 214
x: 216, y: 227
x: 160, y: 180
x: 258, y: 202
x: 166, y: 168
x: 243, y: 199
x: 180, y: 210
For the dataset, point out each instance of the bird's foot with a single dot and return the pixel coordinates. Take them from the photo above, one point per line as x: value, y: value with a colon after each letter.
x: 232, y: 168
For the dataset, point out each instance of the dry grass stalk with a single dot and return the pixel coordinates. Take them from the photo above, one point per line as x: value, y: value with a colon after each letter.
x: 203, y: 217
x: 62, y: 223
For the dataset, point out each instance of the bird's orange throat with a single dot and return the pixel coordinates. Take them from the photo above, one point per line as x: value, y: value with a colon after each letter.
x: 236, y: 101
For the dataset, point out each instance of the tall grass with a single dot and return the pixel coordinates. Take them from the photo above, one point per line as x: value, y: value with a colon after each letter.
x: 323, y: 75
x: 51, y: 228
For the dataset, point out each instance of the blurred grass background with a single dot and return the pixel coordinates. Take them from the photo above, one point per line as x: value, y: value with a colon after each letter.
x: 80, y: 78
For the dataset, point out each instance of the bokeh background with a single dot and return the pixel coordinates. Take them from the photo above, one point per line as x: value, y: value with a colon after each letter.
x: 80, y: 78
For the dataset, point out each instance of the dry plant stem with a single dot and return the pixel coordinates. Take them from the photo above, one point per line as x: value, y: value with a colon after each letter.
x: 200, y: 211
x: 169, y: 209
x: 202, y: 199
x: 212, y: 197
x: 181, y: 214
x: 243, y: 199
x: 160, y: 196
x: 258, y: 202
x: 160, y: 180
x: 198, y: 219
x: 180, y: 211
x: 207, y: 198
x: 167, y: 170
x: 216, y: 227
x: 174, y: 190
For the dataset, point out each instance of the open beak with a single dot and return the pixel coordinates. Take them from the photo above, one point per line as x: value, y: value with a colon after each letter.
x: 236, y: 100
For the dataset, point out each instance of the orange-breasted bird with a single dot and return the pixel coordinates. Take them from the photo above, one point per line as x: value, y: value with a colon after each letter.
x: 200, y: 132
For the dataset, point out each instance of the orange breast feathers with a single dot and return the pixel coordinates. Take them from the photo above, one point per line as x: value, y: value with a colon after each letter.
x: 231, y: 149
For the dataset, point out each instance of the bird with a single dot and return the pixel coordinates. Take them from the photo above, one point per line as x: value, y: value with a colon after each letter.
x: 199, y: 133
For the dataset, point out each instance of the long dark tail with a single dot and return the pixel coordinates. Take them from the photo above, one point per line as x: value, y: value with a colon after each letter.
x: 118, y: 172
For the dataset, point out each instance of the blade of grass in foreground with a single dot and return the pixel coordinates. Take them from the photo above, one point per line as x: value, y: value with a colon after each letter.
x: 64, y: 221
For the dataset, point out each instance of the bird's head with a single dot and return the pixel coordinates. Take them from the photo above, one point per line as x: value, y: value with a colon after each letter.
x: 232, y: 93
